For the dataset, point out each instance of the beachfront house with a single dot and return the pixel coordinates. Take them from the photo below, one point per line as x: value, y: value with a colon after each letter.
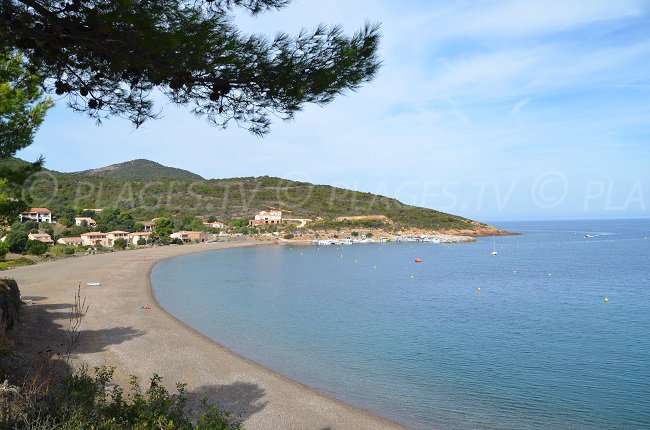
x: 94, y: 238
x: 71, y: 241
x: 82, y: 221
x: 41, y: 237
x: 37, y: 214
x: 266, y: 217
x: 190, y: 236
x: 112, y: 236
x: 135, y: 237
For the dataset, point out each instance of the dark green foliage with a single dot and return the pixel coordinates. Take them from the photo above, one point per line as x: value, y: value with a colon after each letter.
x: 108, y: 58
x: 188, y: 222
x: 88, y: 214
x: 4, y: 249
x: 17, y: 241
x: 79, y: 401
x: 162, y: 228
x: 36, y: 247
x: 112, y: 218
x: 119, y: 244
x: 142, y: 241
x: 66, y: 217
x: 22, y: 109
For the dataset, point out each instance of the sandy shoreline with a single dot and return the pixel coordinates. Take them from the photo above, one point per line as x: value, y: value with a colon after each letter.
x: 142, y: 342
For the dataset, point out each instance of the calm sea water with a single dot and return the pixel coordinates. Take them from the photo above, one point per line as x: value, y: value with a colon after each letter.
x: 536, y: 348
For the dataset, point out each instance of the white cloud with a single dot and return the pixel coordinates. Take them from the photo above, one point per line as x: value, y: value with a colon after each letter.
x: 521, y: 18
x: 519, y: 106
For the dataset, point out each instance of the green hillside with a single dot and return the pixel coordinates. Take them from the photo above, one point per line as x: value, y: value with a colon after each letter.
x: 143, y: 169
x: 227, y: 199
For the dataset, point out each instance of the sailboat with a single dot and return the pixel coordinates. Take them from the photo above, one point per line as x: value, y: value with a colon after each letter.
x: 494, y: 247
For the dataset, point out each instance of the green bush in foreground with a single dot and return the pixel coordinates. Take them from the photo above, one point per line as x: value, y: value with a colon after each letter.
x: 79, y: 401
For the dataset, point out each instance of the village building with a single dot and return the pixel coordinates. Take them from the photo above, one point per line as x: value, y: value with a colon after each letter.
x: 37, y: 214
x: 72, y: 241
x: 148, y: 225
x: 41, y: 237
x: 190, y: 236
x: 112, y: 236
x: 96, y: 210
x: 135, y: 237
x: 266, y: 217
x: 214, y: 224
x: 79, y: 221
x: 94, y: 238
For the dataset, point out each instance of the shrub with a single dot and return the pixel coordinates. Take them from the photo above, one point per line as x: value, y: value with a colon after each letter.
x: 142, y: 241
x: 59, y: 250
x: 81, y: 401
x: 36, y: 247
x: 4, y: 249
x: 119, y: 243
x: 288, y: 236
x: 17, y: 241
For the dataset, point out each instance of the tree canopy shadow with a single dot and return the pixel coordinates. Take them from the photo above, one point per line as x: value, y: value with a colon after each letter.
x: 240, y: 399
x: 45, y: 326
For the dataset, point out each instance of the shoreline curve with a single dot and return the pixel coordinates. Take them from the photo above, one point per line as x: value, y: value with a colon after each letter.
x: 117, y: 332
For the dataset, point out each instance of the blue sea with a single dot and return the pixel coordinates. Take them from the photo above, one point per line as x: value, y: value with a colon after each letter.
x: 537, y: 348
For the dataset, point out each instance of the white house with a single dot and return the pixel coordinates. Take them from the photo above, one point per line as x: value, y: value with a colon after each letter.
x: 112, y: 236
x: 79, y: 221
x: 70, y: 241
x: 264, y: 217
x: 42, y: 237
x: 37, y: 214
x: 134, y: 237
x: 148, y: 225
x: 214, y: 224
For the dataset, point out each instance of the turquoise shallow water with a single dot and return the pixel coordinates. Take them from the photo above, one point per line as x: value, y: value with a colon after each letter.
x: 536, y: 348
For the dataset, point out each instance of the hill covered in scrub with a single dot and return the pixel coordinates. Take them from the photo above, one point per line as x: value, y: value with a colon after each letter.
x: 143, y: 169
x: 147, y: 196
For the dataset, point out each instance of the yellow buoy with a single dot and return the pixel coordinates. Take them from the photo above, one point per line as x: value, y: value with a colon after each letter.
x: 606, y: 300
x: 478, y: 289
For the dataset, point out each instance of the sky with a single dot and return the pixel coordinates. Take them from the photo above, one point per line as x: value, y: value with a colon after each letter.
x: 493, y: 110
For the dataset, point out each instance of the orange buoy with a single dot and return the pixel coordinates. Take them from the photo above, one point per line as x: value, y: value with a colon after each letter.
x: 418, y: 260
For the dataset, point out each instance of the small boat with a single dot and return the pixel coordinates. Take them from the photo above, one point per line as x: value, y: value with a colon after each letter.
x: 589, y: 236
x: 494, y: 247
x: 94, y: 284
x: 418, y: 260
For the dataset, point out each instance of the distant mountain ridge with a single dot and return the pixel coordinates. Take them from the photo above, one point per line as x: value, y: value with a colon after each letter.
x: 140, y: 169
